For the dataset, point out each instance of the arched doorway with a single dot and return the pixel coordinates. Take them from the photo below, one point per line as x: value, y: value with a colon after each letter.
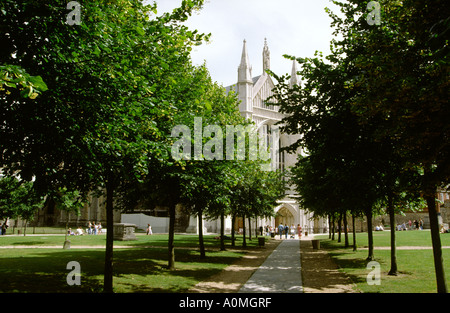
x: 284, y: 216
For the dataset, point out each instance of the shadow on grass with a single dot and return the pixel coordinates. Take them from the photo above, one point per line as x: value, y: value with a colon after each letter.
x: 44, y: 272
x: 345, y: 258
x: 29, y: 243
x: 138, y: 269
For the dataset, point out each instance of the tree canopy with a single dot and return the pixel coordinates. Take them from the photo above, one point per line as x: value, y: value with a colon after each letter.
x: 373, y: 115
x: 111, y: 93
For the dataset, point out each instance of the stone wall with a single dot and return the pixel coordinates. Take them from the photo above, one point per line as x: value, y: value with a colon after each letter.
x: 445, y: 212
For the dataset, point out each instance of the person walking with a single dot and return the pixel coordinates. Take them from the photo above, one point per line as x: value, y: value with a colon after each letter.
x: 149, y: 230
x: 286, y: 230
x: 299, y: 231
x: 280, y: 230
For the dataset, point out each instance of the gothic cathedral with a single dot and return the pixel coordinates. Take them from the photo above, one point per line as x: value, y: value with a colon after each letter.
x: 253, y: 93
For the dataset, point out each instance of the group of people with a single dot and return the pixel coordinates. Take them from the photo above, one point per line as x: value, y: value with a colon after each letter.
x: 78, y: 232
x: 286, y: 230
x: 414, y: 225
x: 92, y: 229
x: 268, y: 230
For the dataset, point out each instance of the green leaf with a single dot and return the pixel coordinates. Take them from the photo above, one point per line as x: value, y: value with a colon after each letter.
x: 39, y: 83
x: 96, y: 51
x: 10, y: 85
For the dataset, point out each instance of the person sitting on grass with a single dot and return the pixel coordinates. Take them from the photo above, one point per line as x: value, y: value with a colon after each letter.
x: 79, y: 231
x: 443, y: 230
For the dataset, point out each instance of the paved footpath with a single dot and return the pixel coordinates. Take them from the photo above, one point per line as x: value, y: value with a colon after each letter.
x: 281, y: 272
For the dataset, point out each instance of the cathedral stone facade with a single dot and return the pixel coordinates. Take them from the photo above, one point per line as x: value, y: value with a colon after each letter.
x: 253, y: 93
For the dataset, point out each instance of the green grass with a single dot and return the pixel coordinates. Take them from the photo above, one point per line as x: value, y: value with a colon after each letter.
x: 100, y: 240
x: 416, y: 267
x: 135, y: 269
x: 35, y: 230
x: 403, y: 238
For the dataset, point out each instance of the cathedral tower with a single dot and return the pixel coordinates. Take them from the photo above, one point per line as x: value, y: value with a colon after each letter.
x: 245, y: 84
x: 266, y: 57
x: 294, y: 78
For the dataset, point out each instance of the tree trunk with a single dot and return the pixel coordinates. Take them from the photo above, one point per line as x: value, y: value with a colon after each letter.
x: 66, y: 229
x: 249, y: 229
x: 171, y: 264
x: 370, y: 257
x: 244, y: 242
x: 354, y: 232
x: 329, y: 226
x: 346, y: 231
x: 339, y: 227
x: 200, y: 235
x: 436, y: 241
x: 233, y: 237
x: 334, y: 227
x: 222, y: 232
x: 390, y: 208
x: 108, y: 274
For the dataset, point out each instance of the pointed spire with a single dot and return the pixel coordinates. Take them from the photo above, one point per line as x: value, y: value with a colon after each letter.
x: 244, y: 58
x: 245, y: 69
x: 266, y: 57
x: 294, y: 78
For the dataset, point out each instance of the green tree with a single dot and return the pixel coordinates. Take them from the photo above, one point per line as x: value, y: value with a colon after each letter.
x: 18, y: 199
x: 402, y: 74
x: 255, y: 193
x: 201, y: 189
x: 341, y: 170
x: 108, y: 98
x: 392, y: 78
x: 176, y: 180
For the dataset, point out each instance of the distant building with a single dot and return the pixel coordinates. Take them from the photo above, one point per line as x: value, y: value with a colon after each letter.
x: 253, y: 93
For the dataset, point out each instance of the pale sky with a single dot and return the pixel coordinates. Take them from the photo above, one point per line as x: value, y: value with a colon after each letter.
x: 294, y: 27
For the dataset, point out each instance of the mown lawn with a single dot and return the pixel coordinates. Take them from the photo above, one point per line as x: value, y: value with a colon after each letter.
x: 137, y: 269
x: 100, y: 240
x: 416, y: 266
x: 403, y: 238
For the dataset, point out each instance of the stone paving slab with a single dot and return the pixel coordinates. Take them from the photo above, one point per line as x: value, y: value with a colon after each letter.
x: 281, y: 271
